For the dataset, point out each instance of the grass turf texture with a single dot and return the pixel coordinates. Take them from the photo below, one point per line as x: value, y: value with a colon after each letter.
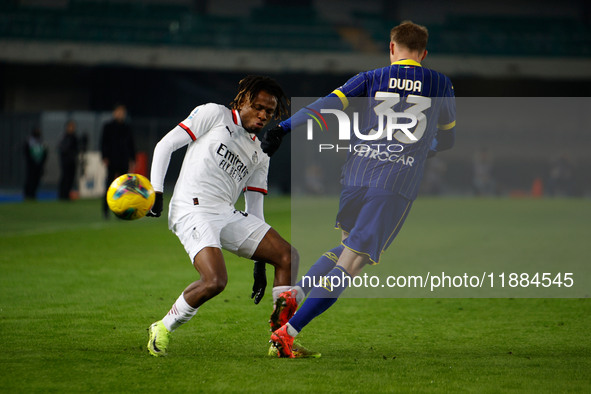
x: 77, y: 294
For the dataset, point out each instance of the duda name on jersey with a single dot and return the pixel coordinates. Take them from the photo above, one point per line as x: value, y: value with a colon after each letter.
x: 405, y: 84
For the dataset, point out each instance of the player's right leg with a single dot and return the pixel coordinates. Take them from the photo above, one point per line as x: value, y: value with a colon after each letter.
x: 158, y: 339
x: 200, y: 235
x: 260, y: 242
x: 319, y: 300
x: 320, y: 268
x: 209, y: 262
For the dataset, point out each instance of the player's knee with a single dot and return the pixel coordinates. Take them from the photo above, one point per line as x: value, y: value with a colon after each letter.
x: 289, y: 257
x: 215, y: 285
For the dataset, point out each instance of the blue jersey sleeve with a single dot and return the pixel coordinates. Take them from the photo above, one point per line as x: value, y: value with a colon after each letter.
x: 354, y: 87
x: 301, y: 116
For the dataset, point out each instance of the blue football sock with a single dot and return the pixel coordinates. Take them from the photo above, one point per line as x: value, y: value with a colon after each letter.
x: 321, y: 267
x: 321, y: 298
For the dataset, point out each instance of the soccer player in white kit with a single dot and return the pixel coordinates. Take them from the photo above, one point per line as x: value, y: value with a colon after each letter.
x: 223, y: 159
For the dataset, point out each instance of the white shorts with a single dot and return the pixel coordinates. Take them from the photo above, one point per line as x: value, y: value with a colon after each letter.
x: 230, y: 229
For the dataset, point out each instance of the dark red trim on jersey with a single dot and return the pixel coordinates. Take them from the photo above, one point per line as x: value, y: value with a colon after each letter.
x: 188, y: 130
x: 255, y: 189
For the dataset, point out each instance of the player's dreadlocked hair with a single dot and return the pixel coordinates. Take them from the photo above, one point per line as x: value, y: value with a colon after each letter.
x: 250, y: 86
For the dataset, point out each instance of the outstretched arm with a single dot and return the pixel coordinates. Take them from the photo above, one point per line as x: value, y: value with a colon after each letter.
x: 175, y: 139
x: 337, y: 99
x: 354, y: 87
x: 273, y: 137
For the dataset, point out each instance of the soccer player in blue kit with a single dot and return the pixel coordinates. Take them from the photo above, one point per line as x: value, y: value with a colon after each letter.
x: 378, y: 186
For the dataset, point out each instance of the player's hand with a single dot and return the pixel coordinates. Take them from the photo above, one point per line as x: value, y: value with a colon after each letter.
x: 156, y: 209
x: 260, y: 281
x: 272, y: 140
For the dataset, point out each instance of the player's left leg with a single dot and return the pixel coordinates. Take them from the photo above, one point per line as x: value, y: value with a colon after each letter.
x: 378, y: 216
x: 250, y: 237
x: 320, y: 268
x: 275, y: 250
x: 210, y: 264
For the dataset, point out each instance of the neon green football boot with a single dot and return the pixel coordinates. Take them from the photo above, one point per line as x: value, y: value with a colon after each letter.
x: 298, y: 350
x: 159, y: 338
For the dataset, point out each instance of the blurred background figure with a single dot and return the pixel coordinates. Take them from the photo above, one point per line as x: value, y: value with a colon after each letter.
x: 68, y: 149
x: 560, y: 182
x: 35, y: 157
x: 482, y: 181
x: 117, y: 148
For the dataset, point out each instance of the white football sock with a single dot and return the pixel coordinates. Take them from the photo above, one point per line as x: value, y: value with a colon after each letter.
x: 180, y: 313
x: 300, y: 295
x: 292, y: 331
x: 278, y: 290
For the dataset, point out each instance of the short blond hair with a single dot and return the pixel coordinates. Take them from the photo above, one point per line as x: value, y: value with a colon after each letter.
x: 410, y: 35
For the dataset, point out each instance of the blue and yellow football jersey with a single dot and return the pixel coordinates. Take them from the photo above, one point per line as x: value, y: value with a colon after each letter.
x: 406, y: 87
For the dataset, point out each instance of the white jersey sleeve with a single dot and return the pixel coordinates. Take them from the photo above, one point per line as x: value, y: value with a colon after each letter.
x: 202, y: 119
x: 175, y: 139
x: 199, y: 122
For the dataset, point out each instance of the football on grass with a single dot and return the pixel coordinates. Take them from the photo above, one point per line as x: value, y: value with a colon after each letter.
x: 130, y: 196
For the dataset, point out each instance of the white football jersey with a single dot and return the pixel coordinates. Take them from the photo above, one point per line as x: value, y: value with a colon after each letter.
x: 221, y: 161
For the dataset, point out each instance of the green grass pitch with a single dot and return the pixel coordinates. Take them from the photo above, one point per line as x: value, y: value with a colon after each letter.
x: 77, y: 294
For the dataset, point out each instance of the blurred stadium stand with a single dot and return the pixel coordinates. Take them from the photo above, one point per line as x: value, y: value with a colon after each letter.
x: 286, y: 27
x: 75, y: 58
x: 325, y: 35
x: 266, y: 27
